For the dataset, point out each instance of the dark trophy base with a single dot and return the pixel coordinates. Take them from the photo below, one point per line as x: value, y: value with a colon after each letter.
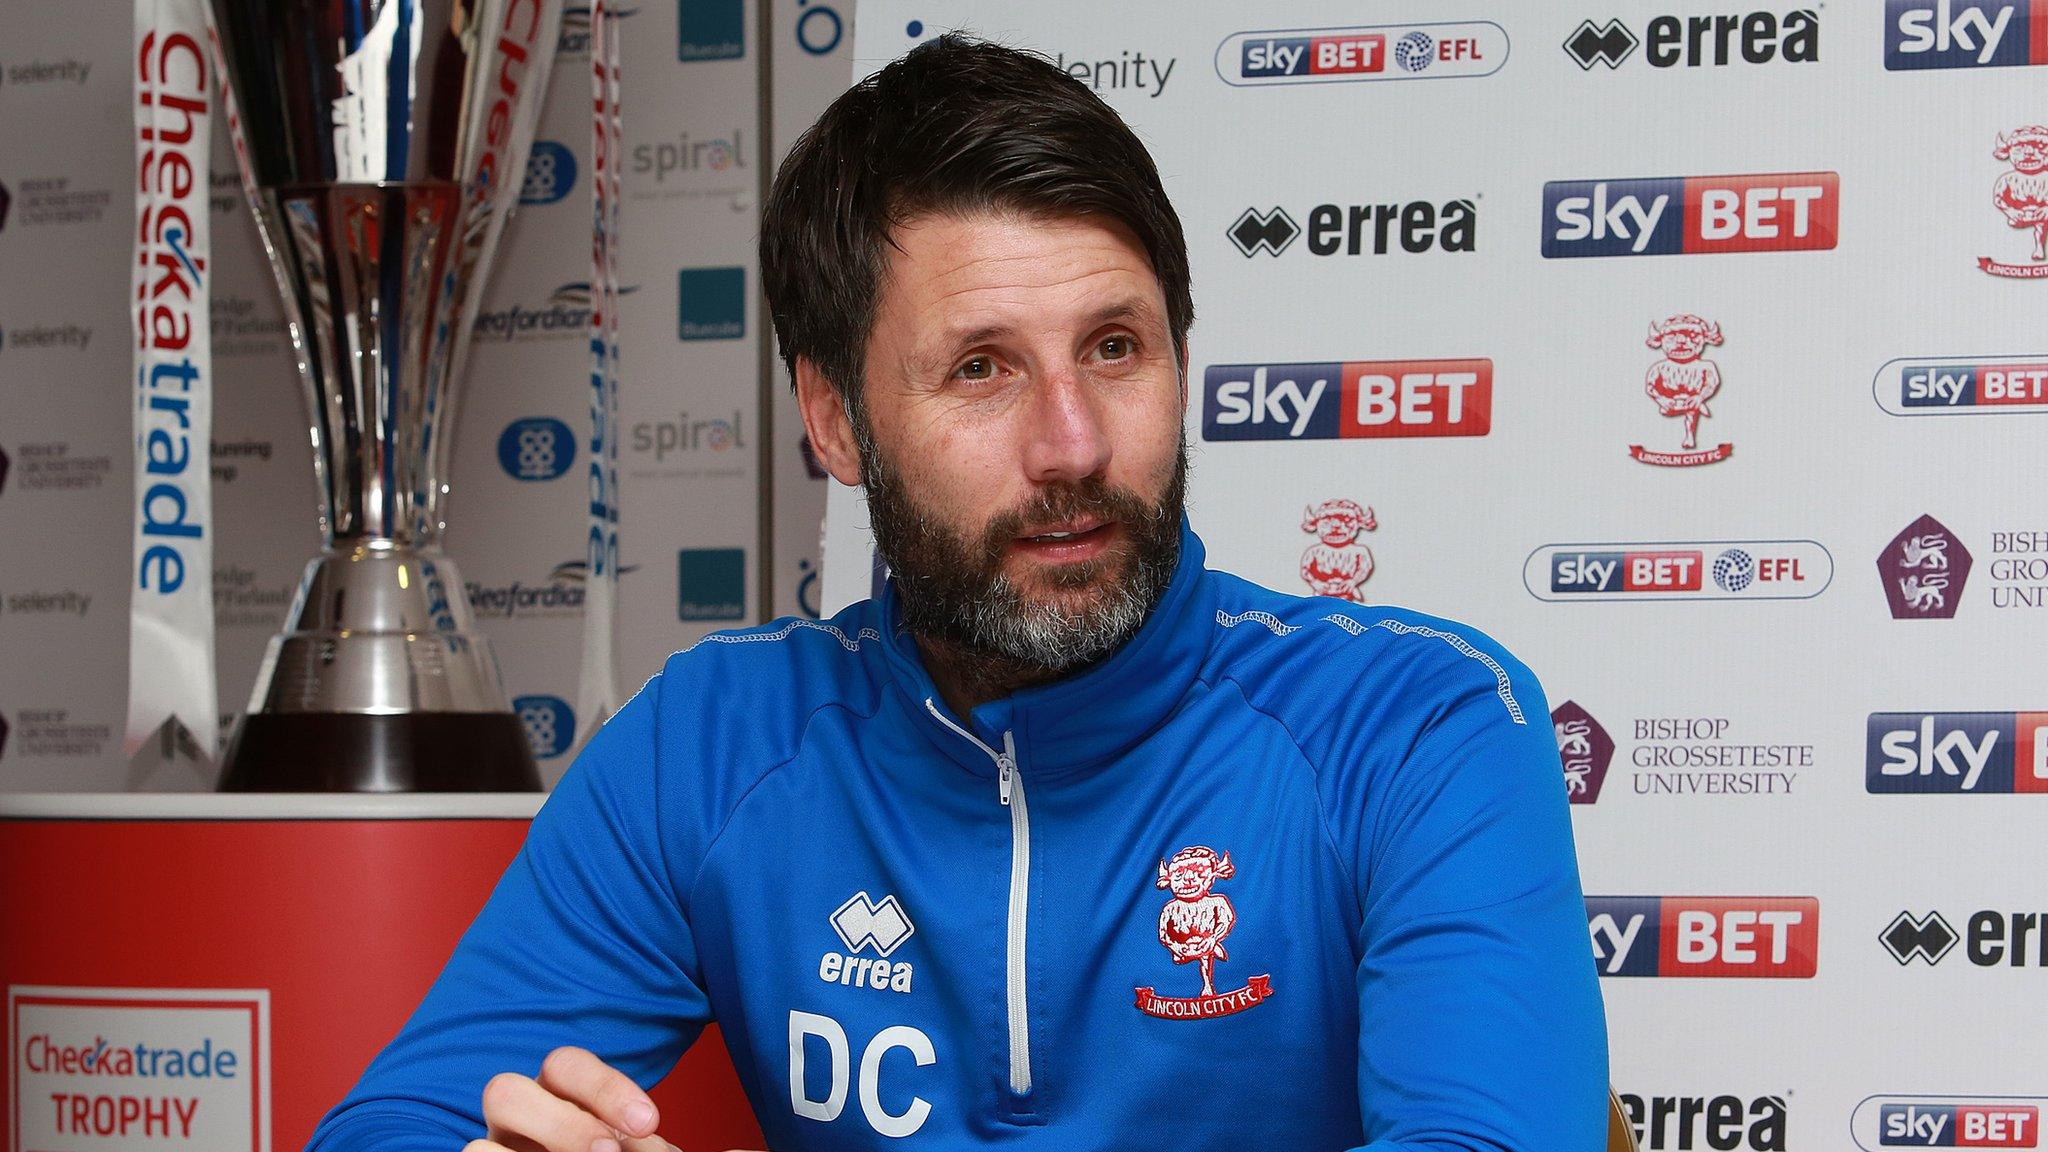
x: 365, y: 752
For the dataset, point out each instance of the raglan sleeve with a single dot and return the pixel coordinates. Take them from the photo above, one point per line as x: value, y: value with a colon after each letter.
x: 1480, y: 1019
x: 584, y: 942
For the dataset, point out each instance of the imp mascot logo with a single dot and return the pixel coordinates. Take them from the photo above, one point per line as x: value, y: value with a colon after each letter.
x: 2022, y: 198
x: 1192, y: 927
x: 1337, y: 564
x: 1680, y: 384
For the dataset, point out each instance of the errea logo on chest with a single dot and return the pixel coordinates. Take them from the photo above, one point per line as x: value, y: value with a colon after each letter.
x: 864, y: 925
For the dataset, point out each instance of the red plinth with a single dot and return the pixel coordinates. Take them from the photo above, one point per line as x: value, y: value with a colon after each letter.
x: 343, y: 908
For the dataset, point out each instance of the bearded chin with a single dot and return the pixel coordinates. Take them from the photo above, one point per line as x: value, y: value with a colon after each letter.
x: 955, y: 592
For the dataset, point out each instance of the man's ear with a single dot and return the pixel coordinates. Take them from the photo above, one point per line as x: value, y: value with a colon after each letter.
x: 826, y: 422
x: 1183, y: 381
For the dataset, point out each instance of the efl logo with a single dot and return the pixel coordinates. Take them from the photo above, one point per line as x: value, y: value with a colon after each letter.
x: 1691, y: 215
x: 1964, y: 33
x: 1947, y: 1122
x: 1704, y: 570
x: 1956, y: 752
x: 1707, y: 936
x: 1381, y: 52
x: 1347, y: 400
x: 1962, y: 385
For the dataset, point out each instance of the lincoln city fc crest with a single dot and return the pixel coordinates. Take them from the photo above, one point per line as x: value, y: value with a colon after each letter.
x: 1192, y: 928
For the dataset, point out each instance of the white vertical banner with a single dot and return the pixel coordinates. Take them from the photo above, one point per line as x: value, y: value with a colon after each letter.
x: 597, y: 694
x: 171, y: 688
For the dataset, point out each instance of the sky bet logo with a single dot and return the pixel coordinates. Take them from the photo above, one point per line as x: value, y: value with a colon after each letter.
x: 1958, y: 1126
x: 1349, y: 400
x: 1964, y: 33
x: 1956, y: 752
x: 1965, y: 385
x: 1718, y: 936
x: 1703, y: 570
x: 1383, y: 52
x: 1691, y: 215
x: 1946, y: 1122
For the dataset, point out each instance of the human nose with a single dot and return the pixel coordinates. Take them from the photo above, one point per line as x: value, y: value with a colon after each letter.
x: 1065, y: 437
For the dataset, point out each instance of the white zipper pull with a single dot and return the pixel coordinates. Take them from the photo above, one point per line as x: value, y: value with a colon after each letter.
x: 1006, y: 767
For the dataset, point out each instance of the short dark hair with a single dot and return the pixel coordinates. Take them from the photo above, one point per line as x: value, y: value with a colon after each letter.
x: 954, y: 125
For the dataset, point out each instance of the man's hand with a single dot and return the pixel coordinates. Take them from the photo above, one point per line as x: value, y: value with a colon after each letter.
x: 579, y: 1104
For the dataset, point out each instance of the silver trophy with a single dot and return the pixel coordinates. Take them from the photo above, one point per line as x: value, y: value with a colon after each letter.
x: 383, y: 143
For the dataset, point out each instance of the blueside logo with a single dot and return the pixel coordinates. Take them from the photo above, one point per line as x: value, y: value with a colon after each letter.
x: 711, y: 304
x: 550, y: 173
x: 549, y: 722
x: 710, y: 30
x: 711, y: 584
x: 536, y: 448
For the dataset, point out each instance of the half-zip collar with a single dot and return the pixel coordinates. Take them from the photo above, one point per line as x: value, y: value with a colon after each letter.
x: 1080, y: 722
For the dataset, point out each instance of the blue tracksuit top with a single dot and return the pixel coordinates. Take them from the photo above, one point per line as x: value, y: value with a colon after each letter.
x: 1281, y: 872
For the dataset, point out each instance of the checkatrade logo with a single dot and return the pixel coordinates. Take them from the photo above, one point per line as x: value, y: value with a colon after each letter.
x: 1377, y: 52
x: 1691, y: 215
x: 1347, y: 400
x: 1964, y: 34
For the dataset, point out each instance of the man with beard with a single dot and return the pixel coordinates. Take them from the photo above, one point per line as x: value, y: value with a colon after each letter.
x: 935, y: 865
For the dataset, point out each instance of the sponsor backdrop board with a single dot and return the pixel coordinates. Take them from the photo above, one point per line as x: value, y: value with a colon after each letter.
x: 701, y: 462
x: 1695, y: 352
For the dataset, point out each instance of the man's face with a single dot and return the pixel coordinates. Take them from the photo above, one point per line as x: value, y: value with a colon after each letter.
x: 1019, y: 434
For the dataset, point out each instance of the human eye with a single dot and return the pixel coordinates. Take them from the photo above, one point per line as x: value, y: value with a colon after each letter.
x: 976, y: 369
x: 1117, y: 346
